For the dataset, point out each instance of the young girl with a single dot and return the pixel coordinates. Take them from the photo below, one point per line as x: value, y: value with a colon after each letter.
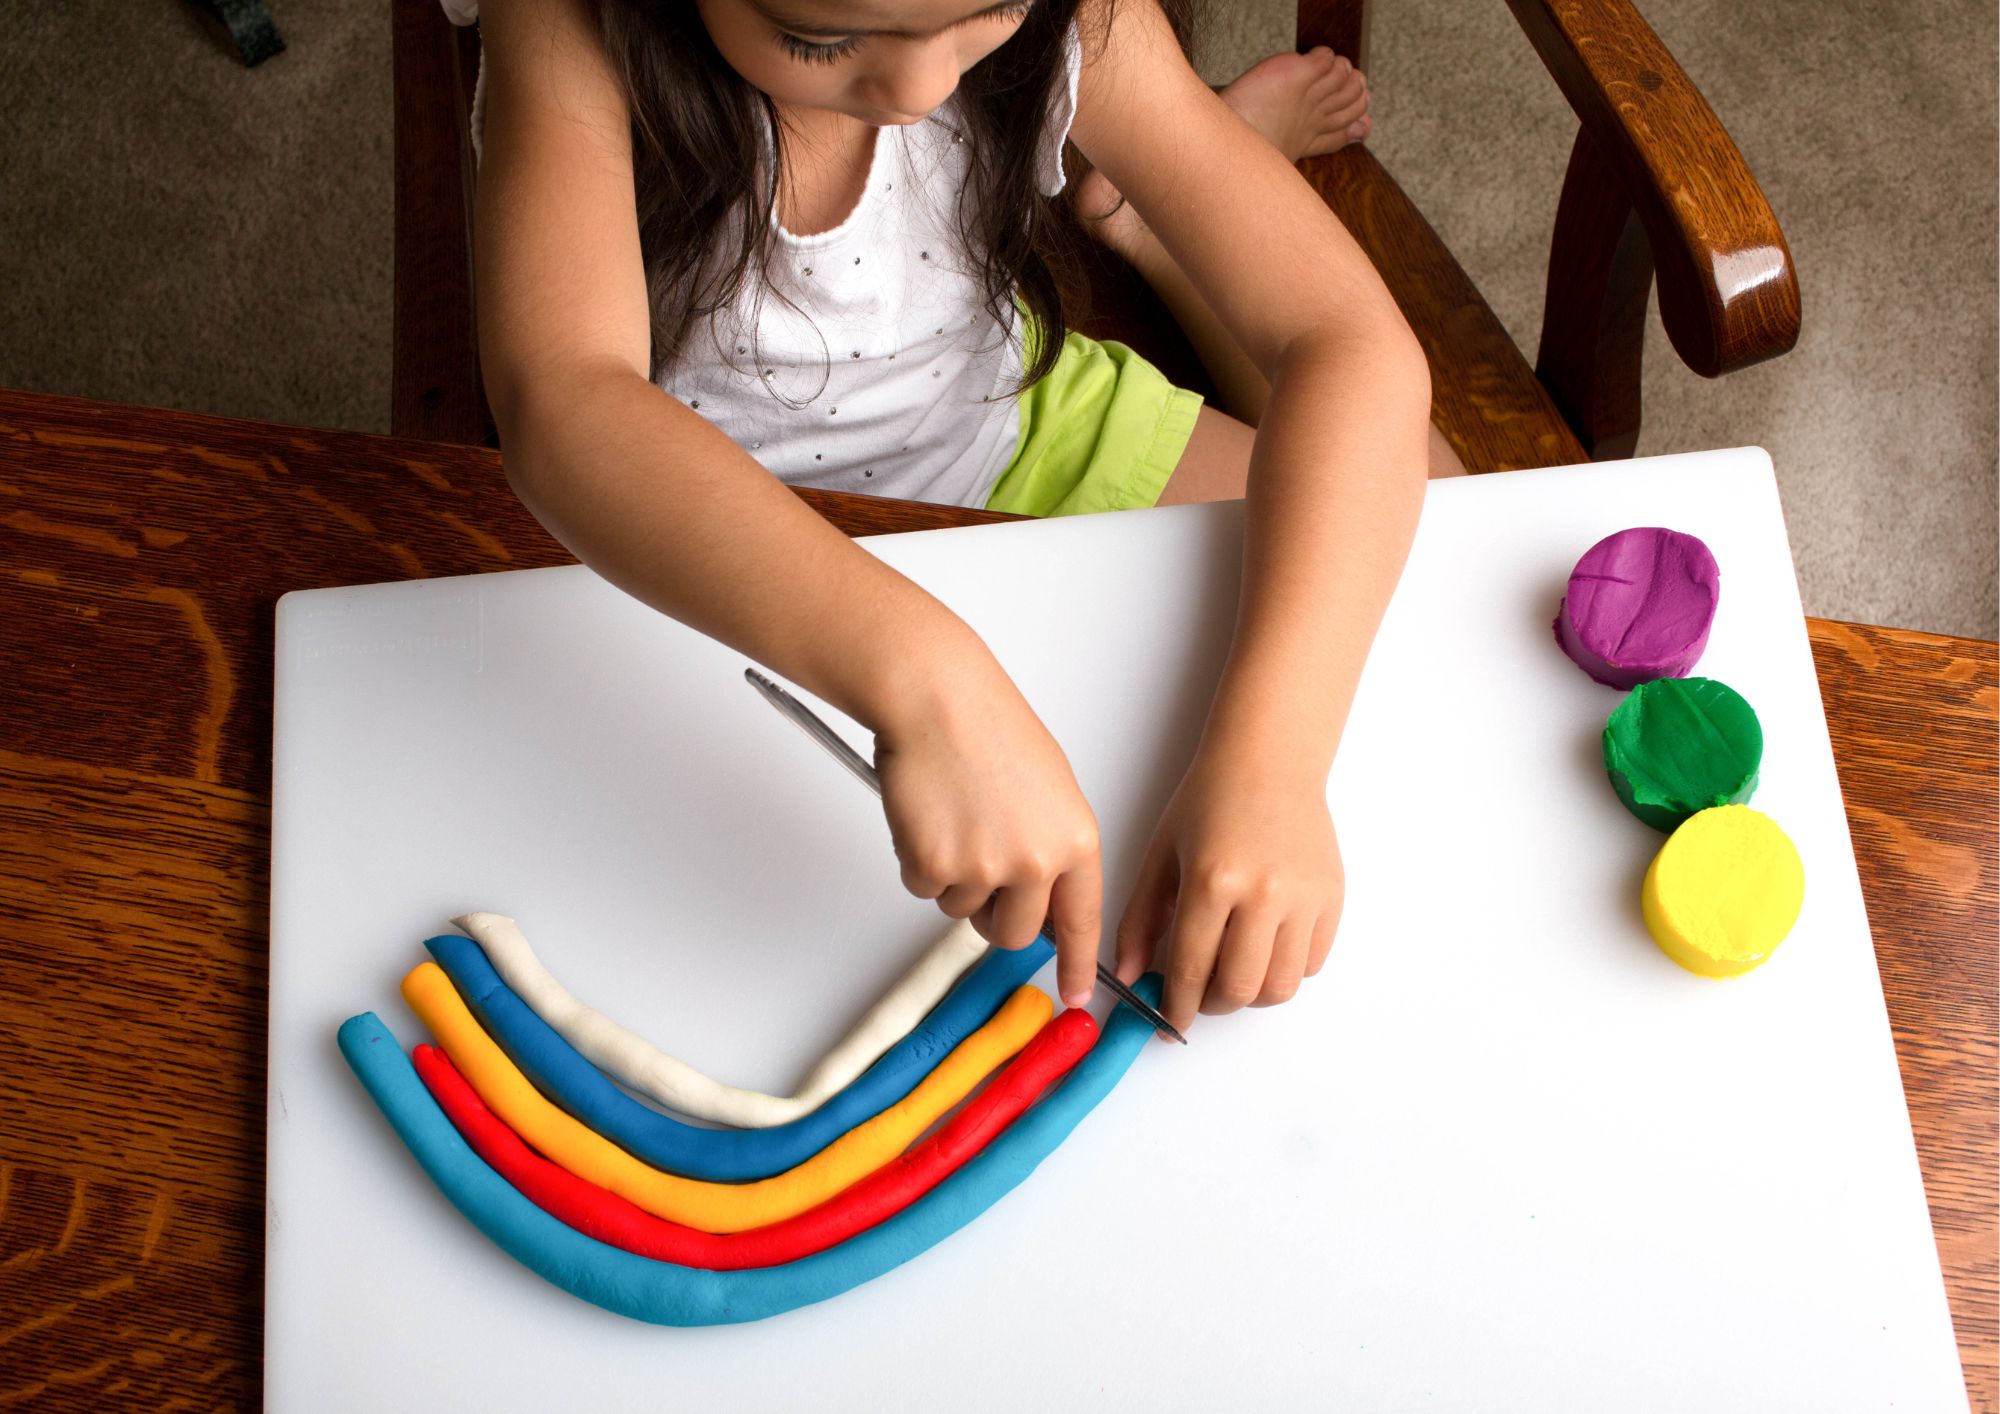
x: 727, y: 246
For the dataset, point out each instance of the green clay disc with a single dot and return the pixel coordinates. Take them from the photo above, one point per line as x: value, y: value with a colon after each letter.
x: 1675, y: 746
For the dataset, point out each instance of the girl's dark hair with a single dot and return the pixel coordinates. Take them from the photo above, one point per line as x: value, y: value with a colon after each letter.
x: 697, y: 144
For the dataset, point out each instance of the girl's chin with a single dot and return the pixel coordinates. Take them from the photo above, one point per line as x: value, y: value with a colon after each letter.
x: 897, y: 120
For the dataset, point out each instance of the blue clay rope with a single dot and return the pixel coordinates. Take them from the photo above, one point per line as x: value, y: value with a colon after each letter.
x: 727, y: 1155
x: 685, y: 1296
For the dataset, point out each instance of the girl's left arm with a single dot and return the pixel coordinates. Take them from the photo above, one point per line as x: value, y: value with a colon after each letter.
x: 1245, y: 858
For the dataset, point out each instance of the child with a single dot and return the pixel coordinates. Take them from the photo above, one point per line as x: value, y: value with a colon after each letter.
x: 811, y: 222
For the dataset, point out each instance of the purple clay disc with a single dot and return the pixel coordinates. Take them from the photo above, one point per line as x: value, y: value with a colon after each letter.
x: 1639, y: 605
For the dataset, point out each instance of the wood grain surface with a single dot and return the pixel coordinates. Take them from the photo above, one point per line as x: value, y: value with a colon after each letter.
x: 142, y: 553
x: 1913, y: 720
x: 1729, y: 291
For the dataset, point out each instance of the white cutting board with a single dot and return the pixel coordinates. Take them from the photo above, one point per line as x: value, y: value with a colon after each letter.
x: 1500, y: 1155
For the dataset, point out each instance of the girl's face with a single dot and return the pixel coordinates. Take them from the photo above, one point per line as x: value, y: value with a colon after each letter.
x: 883, y: 62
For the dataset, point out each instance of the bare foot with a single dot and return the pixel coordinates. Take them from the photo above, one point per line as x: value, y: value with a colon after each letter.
x: 1303, y: 104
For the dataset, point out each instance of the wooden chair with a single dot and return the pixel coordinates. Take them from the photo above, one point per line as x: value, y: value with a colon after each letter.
x: 436, y: 391
x: 1654, y: 187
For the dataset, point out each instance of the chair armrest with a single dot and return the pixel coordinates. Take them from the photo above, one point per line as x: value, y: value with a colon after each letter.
x: 1729, y: 294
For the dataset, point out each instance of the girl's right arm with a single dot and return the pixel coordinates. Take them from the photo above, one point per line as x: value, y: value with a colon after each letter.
x: 985, y: 813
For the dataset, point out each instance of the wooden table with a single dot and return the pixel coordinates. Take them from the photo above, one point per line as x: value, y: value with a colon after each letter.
x: 141, y: 554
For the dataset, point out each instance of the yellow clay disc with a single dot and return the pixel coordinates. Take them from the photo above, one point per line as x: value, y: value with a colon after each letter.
x: 1723, y: 891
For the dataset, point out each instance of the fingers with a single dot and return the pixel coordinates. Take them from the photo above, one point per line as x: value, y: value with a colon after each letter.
x: 1017, y: 915
x: 1288, y: 962
x: 1013, y: 918
x: 1244, y: 957
x: 1077, y: 904
x: 1196, y: 935
x: 1011, y: 914
x: 1224, y: 958
x: 919, y: 879
x: 1007, y: 918
x: 965, y: 899
x: 1146, y: 912
x: 1322, y: 940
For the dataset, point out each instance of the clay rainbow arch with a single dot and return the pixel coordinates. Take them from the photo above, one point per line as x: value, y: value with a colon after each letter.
x: 857, y: 1206
x: 701, y: 1203
x: 597, y: 1213
x: 725, y: 1155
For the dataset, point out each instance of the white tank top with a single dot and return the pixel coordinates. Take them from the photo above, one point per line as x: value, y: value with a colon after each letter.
x: 889, y: 377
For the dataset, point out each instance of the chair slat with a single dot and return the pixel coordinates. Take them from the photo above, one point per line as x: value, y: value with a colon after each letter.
x: 436, y: 389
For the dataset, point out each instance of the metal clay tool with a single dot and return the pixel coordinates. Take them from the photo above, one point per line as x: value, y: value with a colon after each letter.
x: 815, y: 727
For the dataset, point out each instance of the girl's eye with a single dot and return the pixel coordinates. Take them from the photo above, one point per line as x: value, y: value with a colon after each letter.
x: 817, y: 53
x: 841, y: 48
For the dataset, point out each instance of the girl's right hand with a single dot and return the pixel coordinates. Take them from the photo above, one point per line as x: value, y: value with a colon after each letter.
x: 988, y: 820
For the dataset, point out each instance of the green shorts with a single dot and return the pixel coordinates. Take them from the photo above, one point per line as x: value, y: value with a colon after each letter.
x: 1101, y: 432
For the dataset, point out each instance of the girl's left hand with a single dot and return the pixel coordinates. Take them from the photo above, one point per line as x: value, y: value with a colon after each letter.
x: 1245, y: 870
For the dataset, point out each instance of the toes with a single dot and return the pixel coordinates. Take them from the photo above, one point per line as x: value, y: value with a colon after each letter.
x: 1332, y: 139
x: 1340, y: 100
x: 1341, y: 114
x: 1338, y: 81
x: 1332, y: 67
x: 1352, y: 89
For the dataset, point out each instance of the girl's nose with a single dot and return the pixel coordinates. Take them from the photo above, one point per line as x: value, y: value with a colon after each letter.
x: 916, y: 81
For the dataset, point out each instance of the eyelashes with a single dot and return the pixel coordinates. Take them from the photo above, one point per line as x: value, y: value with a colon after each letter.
x: 840, y: 49
x: 817, y: 53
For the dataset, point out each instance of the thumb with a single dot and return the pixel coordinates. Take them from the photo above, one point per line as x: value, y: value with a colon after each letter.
x: 1147, y: 911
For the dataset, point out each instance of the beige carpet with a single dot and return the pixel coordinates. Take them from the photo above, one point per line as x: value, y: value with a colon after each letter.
x: 179, y: 231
